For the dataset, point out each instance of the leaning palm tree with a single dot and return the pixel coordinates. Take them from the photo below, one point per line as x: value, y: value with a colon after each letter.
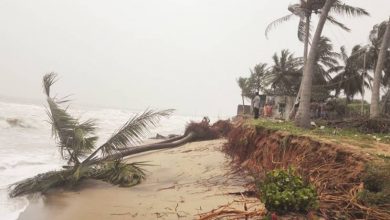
x: 303, y: 115
x: 76, y: 141
x: 302, y: 118
x: 374, y: 107
x: 304, y: 11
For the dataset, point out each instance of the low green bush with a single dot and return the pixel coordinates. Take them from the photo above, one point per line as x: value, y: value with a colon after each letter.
x: 284, y: 191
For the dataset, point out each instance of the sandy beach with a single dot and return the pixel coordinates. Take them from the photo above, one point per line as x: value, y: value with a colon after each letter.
x: 182, y: 183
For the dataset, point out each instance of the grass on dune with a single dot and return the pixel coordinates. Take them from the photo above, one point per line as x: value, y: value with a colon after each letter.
x: 349, y: 136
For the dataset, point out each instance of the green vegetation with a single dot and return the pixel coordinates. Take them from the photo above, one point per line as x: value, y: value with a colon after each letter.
x: 324, y: 73
x: 284, y: 191
x: 122, y: 174
x: 348, y: 135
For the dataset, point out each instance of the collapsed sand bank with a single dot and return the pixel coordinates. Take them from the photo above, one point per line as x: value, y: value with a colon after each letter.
x: 182, y: 183
x: 335, y: 169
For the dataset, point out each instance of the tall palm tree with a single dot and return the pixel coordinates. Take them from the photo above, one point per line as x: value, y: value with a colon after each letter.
x: 368, y: 55
x: 349, y: 75
x: 284, y: 75
x: 77, y: 143
x: 302, y: 118
x: 305, y: 9
x: 374, y: 107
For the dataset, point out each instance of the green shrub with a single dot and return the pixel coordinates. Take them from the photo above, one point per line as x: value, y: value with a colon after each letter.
x: 284, y: 191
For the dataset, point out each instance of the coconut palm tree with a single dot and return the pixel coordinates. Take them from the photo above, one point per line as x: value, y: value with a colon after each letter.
x: 325, y: 59
x: 257, y: 78
x: 305, y: 9
x: 303, y: 114
x: 374, y: 107
x: 76, y: 141
x: 284, y: 75
x: 349, y: 75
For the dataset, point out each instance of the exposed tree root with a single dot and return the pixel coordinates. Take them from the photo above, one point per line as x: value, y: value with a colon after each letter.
x: 335, y: 171
x: 230, y: 211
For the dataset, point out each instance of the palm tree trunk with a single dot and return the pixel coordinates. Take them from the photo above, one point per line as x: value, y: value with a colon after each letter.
x: 385, y: 101
x: 303, y: 115
x: 305, y: 53
x: 374, y: 108
x: 150, y: 147
x: 362, y: 104
x: 243, y: 105
x: 307, y: 37
x: 363, y: 76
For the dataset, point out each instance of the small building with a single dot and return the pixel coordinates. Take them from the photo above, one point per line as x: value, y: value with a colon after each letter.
x: 281, y: 106
x: 244, y: 109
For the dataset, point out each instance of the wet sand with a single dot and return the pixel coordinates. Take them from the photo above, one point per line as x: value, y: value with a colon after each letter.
x: 182, y: 183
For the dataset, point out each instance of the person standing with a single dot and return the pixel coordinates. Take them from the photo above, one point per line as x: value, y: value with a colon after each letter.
x: 256, y: 105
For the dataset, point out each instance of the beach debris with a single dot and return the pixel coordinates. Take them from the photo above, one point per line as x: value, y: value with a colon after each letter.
x: 77, y: 143
x: 232, y: 210
x: 170, y: 187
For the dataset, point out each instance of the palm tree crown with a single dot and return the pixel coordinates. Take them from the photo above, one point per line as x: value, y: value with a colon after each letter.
x: 285, y: 74
x: 349, y: 75
x: 306, y: 8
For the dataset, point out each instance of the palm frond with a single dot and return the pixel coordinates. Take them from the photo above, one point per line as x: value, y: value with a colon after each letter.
x: 337, y: 23
x: 344, y: 9
x: 132, y: 132
x: 344, y: 54
x: 48, y: 80
x: 40, y: 183
x: 75, y: 139
x: 277, y: 22
x: 120, y: 173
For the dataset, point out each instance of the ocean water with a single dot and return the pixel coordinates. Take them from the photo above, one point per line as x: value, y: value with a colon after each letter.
x: 27, y: 148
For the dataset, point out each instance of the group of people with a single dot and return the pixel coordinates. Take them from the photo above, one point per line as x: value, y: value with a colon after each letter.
x: 264, y: 108
x: 258, y: 105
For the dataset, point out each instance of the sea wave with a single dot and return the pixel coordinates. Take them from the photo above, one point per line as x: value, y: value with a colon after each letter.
x: 14, y: 122
x: 19, y: 163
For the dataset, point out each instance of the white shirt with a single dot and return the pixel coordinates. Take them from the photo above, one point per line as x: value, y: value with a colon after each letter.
x: 256, y: 102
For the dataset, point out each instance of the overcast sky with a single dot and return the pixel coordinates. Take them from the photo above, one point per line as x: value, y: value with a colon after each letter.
x: 182, y: 54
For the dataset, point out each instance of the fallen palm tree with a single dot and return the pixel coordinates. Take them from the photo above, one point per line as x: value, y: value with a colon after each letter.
x: 76, y: 141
